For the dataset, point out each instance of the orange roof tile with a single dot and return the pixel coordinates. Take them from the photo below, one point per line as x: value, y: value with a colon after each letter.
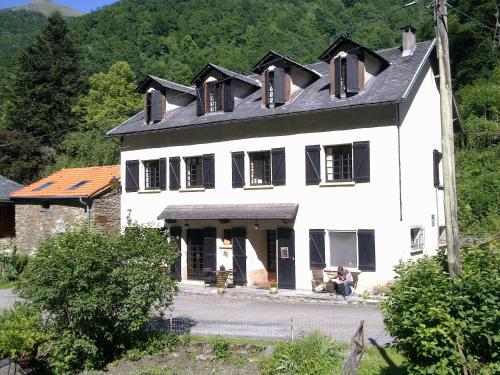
x: 63, y: 183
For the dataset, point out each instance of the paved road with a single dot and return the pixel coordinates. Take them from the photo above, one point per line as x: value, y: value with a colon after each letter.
x: 214, y: 315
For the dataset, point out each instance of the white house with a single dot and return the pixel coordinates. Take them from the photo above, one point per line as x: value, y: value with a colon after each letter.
x: 294, y: 168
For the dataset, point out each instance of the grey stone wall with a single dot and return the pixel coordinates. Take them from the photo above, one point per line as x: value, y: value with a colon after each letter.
x: 105, y: 213
x: 35, y: 223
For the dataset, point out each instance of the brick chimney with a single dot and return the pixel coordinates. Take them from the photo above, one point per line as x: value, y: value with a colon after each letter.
x: 409, y: 40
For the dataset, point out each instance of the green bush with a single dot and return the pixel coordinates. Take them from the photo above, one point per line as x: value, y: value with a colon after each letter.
x: 21, y: 332
x: 12, y: 265
x: 442, y: 324
x: 221, y: 350
x: 99, y: 291
x: 314, y: 354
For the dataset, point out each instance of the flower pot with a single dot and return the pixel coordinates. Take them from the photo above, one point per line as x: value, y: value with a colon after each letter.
x: 273, y: 290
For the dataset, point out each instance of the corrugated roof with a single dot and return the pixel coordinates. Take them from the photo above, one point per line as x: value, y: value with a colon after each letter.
x: 259, y: 211
x: 6, y: 187
x: 59, y: 184
x: 390, y: 86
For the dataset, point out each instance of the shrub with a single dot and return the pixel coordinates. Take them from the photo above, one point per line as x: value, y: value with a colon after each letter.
x: 221, y: 350
x: 312, y: 354
x: 21, y: 332
x: 442, y: 324
x: 99, y: 291
x: 12, y: 265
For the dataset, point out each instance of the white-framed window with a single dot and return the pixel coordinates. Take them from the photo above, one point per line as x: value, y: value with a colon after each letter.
x: 194, y: 172
x: 338, y: 163
x: 152, y: 174
x: 214, y: 97
x: 442, y: 236
x: 343, y: 249
x: 417, y: 238
x: 260, y: 168
x: 271, y: 87
x: 343, y: 76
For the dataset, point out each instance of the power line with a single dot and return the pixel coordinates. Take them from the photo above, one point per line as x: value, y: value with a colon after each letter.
x: 472, y: 18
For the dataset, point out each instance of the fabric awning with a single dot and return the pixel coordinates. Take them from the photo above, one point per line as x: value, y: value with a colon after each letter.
x: 259, y: 211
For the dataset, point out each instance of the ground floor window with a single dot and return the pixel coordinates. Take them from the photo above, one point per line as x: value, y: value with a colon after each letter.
x: 417, y: 238
x: 7, y: 222
x: 343, y: 249
x: 442, y: 236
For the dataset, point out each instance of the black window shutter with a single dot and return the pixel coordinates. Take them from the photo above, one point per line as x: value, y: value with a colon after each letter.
x: 163, y: 173
x: 366, y: 250
x: 313, y: 169
x: 200, y: 100
x: 176, y: 234
x: 238, y: 169
x: 132, y: 175
x: 278, y: 164
x: 209, y: 171
x: 337, y: 69
x: 175, y: 173
x: 156, y: 105
x: 266, y: 88
x: 228, y: 96
x: 147, y: 107
x: 279, y: 86
x: 209, y: 248
x: 352, y: 74
x: 317, y: 248
x: 361, y: 162
x: 437, y: 159
x: 239, y: 255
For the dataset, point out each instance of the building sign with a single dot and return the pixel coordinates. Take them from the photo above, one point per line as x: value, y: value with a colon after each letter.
x: 284, y: 252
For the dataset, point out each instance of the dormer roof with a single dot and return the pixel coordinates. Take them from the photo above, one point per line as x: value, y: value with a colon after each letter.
x: 200, y: 77
x: 146, y: 82
x: 274, y: 58
x: 343, y: 44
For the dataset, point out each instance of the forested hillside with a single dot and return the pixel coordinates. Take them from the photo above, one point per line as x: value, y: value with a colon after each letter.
x: 174, y: 39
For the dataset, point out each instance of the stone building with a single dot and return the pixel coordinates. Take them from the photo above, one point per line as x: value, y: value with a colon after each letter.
x: 65, y: 199
x: 7, y: 215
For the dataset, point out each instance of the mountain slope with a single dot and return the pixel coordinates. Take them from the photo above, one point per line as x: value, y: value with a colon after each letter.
x: 46, y: 7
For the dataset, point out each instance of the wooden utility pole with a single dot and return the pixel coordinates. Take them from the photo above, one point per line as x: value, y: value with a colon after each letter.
x: 447, y: 140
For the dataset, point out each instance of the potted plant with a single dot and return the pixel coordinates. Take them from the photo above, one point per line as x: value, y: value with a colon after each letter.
x: 273, y: 289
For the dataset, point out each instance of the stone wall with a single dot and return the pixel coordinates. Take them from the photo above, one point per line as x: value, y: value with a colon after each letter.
x: 105, y: 213
x: 35, y: 223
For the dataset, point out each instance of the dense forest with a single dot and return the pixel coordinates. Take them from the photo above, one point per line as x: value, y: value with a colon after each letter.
x: 108, y: 51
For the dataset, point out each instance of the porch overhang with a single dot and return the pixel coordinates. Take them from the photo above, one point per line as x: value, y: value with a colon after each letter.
x: 258, y: 211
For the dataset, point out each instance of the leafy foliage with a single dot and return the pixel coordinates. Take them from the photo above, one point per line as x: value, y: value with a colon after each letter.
x: 98, y: 291
x: 442, y: 324
x: 12, y: 265
x: 221, y: 350
x: 21, y: 331
x: 314, y: 354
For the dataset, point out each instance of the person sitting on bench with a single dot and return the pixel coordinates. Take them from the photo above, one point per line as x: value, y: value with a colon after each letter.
x: 345, y: 278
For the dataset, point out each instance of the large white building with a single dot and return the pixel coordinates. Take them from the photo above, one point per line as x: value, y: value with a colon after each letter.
x: 294, y: 168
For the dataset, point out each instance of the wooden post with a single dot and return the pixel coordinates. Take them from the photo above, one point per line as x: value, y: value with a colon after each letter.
x: 447, y: 140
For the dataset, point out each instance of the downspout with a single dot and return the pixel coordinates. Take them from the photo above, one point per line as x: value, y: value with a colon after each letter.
x: 87, y: 205
x: 399, y: 161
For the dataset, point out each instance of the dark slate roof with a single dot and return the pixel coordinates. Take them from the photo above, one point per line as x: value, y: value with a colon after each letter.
x: 259, y: 211
x: 167, y: 84
x: 272, y: 56
x: 391, y: 85
x: 228, y: 73
x: 6, y: 187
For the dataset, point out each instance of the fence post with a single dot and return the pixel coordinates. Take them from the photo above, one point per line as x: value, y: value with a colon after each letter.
x: 291, y: 327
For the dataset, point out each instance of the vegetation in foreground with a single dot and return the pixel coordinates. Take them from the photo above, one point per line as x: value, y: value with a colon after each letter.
x: 441, y: 324
x: 12, y: 265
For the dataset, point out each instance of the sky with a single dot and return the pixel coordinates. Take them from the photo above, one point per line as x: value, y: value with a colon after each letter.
x: 81, y: 5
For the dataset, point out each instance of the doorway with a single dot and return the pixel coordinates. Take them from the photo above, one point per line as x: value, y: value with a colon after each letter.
x: 195, y: 254
x: 271, y: 255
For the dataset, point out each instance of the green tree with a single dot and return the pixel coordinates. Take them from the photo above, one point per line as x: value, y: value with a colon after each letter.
x: 98, y: 292
x: 111, y: 99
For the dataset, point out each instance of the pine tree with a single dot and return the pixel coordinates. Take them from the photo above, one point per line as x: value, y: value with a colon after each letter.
x: 47, y: 83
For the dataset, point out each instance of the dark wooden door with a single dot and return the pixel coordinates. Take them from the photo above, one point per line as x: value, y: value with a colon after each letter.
x: 239, y: 256
x: 176, y: 234
x: 195, y: 254
x: 286, y: 258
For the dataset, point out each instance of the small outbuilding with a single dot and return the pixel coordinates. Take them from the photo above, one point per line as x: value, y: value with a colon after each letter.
x: 73, y: 196
x: 7, y: 211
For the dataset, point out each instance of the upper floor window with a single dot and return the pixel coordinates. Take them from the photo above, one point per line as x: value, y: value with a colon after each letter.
x: 152, y: 174
x: 338, y: 163
x: 194, y: 172
x: 154, y: 106
x: 348, y: 75
x: 417, y: 238
x: 343, y: 75
x: 271, y: 87
x: 214, y: 97
x: 260, y: 168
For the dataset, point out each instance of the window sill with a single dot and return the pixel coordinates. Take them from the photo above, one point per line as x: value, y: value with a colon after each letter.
x: 152, y: 191
x: 331, y: 184
x: 191, y: 189
x: 226, y: 247
x: 416, y: 251
x: 258, y: 187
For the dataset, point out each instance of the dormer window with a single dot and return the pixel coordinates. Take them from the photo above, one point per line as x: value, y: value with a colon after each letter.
x: 346, y: 79
x: 214, y: 97
x: 154, y: 106
x: 271, y: 87
x: 276, y: 87
x: 343, y: 76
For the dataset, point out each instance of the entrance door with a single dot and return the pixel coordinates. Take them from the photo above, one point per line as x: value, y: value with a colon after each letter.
x: 239, y: 256
x: 286, y: 258
x: 271, y: 255
x: 195, y: 254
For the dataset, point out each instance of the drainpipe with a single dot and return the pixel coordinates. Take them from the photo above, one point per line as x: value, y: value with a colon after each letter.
x: 399, y: 161
x: 87, y: 206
